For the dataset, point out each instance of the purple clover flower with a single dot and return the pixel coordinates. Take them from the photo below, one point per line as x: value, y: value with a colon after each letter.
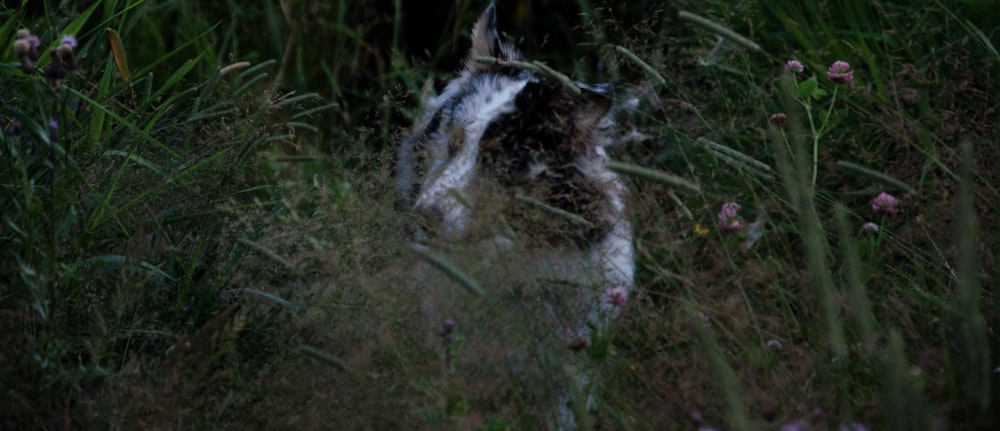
x: 886, y: 204
x: 794, y: 66
x: 840, y: 72
x: 729, y: 221
x: 616, y: 296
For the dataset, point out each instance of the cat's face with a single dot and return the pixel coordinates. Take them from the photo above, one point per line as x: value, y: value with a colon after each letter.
x: 503, y: 124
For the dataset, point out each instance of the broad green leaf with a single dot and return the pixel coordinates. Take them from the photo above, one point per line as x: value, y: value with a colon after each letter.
x: 806, y: 88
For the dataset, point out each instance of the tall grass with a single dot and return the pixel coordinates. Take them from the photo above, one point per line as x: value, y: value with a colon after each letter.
x: 119, y: 200
x: 202, y: 243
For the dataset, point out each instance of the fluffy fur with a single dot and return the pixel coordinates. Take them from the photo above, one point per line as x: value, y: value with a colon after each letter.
x: 507, y: 158
x: 498, y: 132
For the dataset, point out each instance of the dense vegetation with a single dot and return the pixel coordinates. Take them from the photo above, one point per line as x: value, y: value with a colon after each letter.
x: 199, y: 229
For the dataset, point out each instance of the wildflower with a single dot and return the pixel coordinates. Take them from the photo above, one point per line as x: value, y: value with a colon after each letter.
x: 729, y: 221
x: 26, y: 49
x: 68, y: 40
x: 870, y: 227
x: 21, y: 47
x: 33, y: 43
x: 53, y: 130
x: 700, y: 229
x: 799, y: 425
x: 616, y: 296
x: 840, y: 72
x: 793, y: 66
x: 729, y: 210
x: 64, y: 53
x: 779, y: 120
x: 885, y: 203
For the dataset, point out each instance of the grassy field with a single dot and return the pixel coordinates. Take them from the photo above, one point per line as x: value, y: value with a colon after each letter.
x: 199, y: 228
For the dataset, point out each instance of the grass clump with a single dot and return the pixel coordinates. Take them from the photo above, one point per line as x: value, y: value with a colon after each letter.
x: 121, y: 199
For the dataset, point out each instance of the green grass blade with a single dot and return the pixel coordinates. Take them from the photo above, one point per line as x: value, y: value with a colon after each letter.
x: 860, y: 306
x: 97, y: 120
x: 145, y: 135
x: 449, y: 269
x: 654, y: 175
x: 719, y: 30
x: 736, y: 411
x: 973, y: 347
x: 276, y: 299
x: 324, y: 357
x: 113, y: 261
x: 140, y: 161
x: 875, y: 175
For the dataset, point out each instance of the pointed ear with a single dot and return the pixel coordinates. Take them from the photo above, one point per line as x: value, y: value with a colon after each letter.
x: 485, y: 39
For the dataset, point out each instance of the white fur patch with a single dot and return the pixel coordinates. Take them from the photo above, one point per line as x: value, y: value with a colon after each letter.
x: 490, y: 97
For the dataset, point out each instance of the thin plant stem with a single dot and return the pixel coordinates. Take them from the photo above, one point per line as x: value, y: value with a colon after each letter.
x: 815, y: 134
x: 822, y: 130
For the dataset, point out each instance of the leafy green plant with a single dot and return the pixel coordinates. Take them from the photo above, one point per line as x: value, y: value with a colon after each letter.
x: 119, y: 197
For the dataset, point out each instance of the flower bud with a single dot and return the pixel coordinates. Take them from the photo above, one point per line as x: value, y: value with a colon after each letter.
x: 65, y: 55
x: 779, y: 120
x: 21, y: 47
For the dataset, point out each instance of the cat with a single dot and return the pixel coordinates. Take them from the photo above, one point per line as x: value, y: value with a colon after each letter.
x: 506, y: 157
